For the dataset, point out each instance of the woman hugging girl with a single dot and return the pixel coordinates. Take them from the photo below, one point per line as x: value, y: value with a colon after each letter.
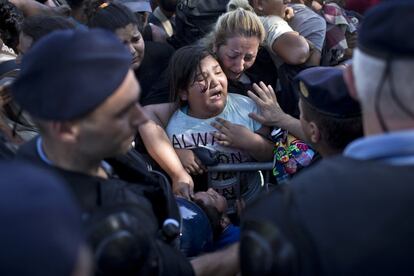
x: 209, y: 117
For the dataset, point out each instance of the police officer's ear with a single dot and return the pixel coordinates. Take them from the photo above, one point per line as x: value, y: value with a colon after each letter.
x: 313, y: 132
x: 350, y: 82
x: 64, y: 131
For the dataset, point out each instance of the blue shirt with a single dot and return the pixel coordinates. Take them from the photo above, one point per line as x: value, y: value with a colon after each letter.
x: 396, y: 148
x: 229, y: 236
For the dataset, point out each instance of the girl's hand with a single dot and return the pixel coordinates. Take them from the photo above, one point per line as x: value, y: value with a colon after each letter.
x: 231, y: 135
x: 190, y: 162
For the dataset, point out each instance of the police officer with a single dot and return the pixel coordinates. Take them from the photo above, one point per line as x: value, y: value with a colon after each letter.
x: 79, y: 89
x: 329, y: 116
x: 351, y: 214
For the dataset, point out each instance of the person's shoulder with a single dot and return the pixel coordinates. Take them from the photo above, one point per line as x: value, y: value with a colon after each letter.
x: 179, y: 114
x: 240, y: 98
x: 273, y: 22
x: 305, y: 15
x: 178, y: 121
x: 28, y: 151
x: 308, y: 184
x: 297, y: 7
x: 275, y: 27
x: 240, y: 102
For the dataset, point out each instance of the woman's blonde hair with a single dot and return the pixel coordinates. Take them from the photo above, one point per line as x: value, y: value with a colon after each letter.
x: 239, y: 20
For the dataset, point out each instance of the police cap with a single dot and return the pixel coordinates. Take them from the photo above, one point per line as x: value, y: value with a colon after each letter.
x: 325, y: 90
x: 69, y: 73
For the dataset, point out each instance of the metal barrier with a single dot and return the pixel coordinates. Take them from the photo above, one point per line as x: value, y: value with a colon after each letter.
x: 264, y: 170
x: 266, y: 167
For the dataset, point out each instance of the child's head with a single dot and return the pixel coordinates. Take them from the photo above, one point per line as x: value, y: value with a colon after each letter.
x: 198, y: 81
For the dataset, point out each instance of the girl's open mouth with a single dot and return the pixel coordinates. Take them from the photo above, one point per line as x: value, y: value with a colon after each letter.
x: 216, y: 95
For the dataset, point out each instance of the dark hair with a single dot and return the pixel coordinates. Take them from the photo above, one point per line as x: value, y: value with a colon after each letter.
x: 75, y: 4
x: 183, y: 68
x: 337, y: 133
x: 10, y: 19
x: 40, y: 25
x: 109, y: 15
x: 214, y: 217
x: 168, y: 5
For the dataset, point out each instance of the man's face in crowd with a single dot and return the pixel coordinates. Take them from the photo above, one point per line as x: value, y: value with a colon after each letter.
x: 213, y: 199
x: 110, y: 129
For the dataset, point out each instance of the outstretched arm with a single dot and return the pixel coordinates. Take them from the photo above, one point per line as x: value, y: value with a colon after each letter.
x: 270, y: 112
x: 159, y: 147
x: 32, y: 7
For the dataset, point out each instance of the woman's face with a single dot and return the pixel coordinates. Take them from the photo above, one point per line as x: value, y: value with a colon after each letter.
x: 237, y: 55
x: 131, y: 37
x: 207, y: 94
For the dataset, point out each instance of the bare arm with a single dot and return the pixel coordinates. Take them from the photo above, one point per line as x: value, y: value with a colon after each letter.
x: 32, y: 7
x: 159, y: 147
x: 314, y: 56
x: 292, y: 48
x: 220, y: 263
x: 271, y: 114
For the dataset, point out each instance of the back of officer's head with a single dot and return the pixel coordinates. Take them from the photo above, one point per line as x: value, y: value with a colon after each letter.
x: 384, y: 62
x: 330, y: 117
x: 40, y: 231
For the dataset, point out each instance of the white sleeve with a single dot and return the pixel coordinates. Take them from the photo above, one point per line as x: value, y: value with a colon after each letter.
x: 274, y: 26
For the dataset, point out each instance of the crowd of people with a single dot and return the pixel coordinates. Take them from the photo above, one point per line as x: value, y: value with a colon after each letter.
x: 117, y: 116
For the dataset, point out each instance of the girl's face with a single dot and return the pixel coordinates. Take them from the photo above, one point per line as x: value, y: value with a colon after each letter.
x: 237, y: 55
x: 207, y: 95
x: 132, y: 38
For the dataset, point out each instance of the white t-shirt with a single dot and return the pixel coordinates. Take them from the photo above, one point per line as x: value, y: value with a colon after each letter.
x: 274, y: 26
x: 186, y: 132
